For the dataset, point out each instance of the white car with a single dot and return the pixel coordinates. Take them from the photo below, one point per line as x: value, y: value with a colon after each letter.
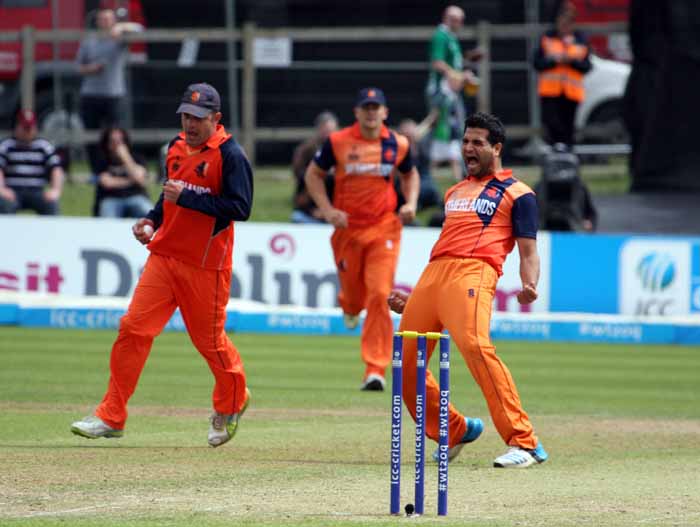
x: 599, y: 116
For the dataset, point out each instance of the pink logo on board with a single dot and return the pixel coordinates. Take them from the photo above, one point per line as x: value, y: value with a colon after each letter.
x: 283, y: 245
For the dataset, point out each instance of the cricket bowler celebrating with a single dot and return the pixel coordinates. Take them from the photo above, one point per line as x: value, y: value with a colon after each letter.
x: 485, y: 216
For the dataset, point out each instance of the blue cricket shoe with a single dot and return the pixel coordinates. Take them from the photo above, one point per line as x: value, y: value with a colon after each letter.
x: 474, y: 428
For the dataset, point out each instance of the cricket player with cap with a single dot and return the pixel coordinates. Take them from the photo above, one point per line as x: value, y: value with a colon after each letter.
x: 209, y: 186
x: 367, y: 235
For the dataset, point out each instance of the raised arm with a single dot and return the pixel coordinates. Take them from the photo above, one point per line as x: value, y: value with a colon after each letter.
x: 121, y: 28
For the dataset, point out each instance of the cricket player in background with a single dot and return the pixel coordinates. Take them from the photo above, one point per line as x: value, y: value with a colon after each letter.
x: 367, y: 234
x: 209, y: 186
x: 485, y: 216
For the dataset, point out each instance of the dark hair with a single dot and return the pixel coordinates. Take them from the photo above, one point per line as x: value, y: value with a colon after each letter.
x: 105, y: 135
x: 324, y: 117
x: 487, y: 121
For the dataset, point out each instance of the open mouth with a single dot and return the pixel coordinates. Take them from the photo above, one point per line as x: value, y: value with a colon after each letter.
x: 472, y: 161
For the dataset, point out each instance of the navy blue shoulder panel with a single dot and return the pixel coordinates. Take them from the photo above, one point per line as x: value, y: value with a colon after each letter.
x: 173, y: 141
x: 525, y: 216
x: 491, y: 198
x: 324, y: 157
x: 390, y: 149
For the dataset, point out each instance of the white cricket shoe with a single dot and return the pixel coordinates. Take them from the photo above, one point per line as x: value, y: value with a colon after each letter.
x: 93, y: 427
x: 517, y: 457
x: 222, y: 427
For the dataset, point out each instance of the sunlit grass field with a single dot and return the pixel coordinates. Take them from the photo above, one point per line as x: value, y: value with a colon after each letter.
x: 621, y: 424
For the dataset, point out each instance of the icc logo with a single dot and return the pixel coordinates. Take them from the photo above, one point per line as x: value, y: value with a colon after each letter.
x: 656, y: 272
x: 655, y: 277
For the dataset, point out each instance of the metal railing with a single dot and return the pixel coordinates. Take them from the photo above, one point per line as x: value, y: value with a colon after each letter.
x: 483, y: 34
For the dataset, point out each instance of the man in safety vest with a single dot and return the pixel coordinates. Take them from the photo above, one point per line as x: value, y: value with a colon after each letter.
x: 562, y: 59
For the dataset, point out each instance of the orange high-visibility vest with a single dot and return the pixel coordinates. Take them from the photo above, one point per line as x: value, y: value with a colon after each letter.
x: 562, y: 79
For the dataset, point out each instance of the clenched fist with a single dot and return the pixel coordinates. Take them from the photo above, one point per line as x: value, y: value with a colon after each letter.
x: 172, y: 190
x: 143, y: 230
x: 397, y: 301
x: 528, y: 294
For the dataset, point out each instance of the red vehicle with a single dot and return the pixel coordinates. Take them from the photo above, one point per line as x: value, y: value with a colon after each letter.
x: 615, y: 46
x: 51, y: 59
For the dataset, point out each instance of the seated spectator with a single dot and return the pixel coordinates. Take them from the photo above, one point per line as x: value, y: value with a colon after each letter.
x: 305, y: 210
x: 27, y: 165
x: 121, y: 178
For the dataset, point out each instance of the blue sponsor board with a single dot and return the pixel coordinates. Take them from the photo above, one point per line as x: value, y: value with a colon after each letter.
x: 76, y: 318
x: 695, y: 279
x: 583, y: 273
x: 9, y: 314
x: 590, y: 330
x: 569, y: 328
x: 628, y: 275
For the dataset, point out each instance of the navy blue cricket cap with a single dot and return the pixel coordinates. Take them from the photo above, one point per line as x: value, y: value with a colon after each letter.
x: 370, y: 95
x: 200, y: 100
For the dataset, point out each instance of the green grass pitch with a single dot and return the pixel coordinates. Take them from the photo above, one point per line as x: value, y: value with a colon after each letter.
x: 621, y: 424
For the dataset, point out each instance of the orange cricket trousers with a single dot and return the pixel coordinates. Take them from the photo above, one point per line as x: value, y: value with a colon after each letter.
x: 366, y: 259
x: 201, y: 295
x: 457, y: 294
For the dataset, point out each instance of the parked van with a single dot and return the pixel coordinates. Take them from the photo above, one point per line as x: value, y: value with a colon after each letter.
x: 599, y: 116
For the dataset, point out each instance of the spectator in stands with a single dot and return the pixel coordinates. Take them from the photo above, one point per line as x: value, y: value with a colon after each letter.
x: 305, y: 210
x: 121, y: 178
x: 448, y: 78
x: 101, y: 60
x: 563, y: 58
x: 419, y: 143
x: 27, y: 165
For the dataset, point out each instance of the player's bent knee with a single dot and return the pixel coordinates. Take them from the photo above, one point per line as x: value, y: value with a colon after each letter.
x: 218, y: 348
x: 129, y: 326
x: 470, y: 346
x: 378, y: 297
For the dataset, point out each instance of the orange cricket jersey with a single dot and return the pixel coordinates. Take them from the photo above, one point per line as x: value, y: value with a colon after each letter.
x: 364, y: 171
x: 484, y: 216
x: 198, y: 229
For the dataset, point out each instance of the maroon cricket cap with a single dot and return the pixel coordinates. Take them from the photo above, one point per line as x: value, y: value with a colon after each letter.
x: 200, y: 100
x: 26, y: 118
